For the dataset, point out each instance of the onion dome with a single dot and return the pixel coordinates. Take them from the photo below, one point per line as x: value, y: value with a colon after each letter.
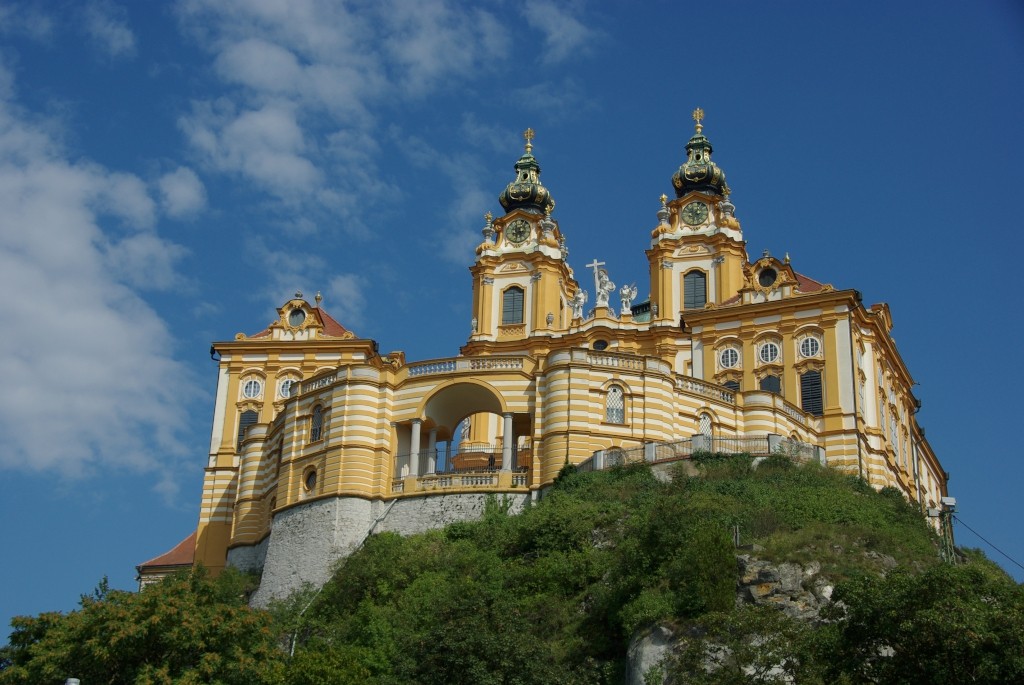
x: 699, y: 172
x: 526, y: 191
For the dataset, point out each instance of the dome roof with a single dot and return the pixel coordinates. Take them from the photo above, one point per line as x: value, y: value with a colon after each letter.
x: 698, y: 172
x: 526, y: 191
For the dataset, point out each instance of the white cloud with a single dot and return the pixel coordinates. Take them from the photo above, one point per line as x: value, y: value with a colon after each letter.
x: 182, y: 194
x: 345, y: 299
x: 26, y: 20
x: 266, y: 145
x: 564, y: 34
x: 107, y: 25
x: 90, y: 379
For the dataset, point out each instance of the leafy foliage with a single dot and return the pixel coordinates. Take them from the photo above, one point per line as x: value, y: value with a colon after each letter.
x: 555, y: 594
x: 185, y: 629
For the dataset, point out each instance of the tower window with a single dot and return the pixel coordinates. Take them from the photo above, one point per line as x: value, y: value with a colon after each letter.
x: 512, y: 305
x: 769, y: 352
x: 810, y: 392
x: 615, y: 405
x: 809, y: 347
x: 252, y: 388
x: 244, y: 421
x: 771, y: 384
x: 316, y: 424
x: 695, y: 290
x: 729, y: 358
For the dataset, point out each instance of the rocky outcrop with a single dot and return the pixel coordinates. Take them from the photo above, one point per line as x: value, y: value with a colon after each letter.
x: 798, y: 590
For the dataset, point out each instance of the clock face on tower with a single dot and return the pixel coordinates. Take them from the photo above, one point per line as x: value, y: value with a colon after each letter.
x: 518, y: 231
x: 694, y: 213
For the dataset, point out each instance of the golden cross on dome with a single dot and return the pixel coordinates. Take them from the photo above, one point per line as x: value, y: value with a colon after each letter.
x: 698, y: 116
x: 528, y: 135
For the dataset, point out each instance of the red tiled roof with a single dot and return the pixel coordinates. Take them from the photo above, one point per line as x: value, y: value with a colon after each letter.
x: 807, y: 285
x: 331, y: 327
x: 183, y: 553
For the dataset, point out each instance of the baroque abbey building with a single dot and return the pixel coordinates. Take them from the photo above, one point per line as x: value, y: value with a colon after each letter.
x: 320, y: 439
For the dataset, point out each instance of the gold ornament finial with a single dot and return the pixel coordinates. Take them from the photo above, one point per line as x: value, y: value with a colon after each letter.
x: 528, y: 135
x: 698, y: 116
x: 664, y: 199
x: 319, y: 298
x: 488, y: 216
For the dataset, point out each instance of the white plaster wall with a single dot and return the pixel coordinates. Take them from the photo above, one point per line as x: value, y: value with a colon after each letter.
x: 307, y: 541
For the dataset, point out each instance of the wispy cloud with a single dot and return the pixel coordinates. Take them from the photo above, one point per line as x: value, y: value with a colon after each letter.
x: 565, y: 36
x: 107, y: 25
x: 182, y: 194
x: 91, y: 379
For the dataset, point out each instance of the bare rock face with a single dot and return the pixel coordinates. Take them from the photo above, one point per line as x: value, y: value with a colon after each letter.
x: 646, y: 652
x: 797, y: 590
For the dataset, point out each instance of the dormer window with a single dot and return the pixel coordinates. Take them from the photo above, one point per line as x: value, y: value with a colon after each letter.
x: 767, y: 277
x: 296, y: 317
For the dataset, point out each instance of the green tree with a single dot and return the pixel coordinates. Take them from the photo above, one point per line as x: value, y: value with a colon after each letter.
x: 950, y: 624
x: 185, y: 629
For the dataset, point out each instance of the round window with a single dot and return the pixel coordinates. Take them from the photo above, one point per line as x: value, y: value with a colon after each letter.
x: 286, y: 387
x: 296, y: 317
x: 769, y: 352
x: 252, y: 389
x: 767, y: 277
x: 311, y: 480
x: 809, y: 347
x: 729, y: 358
x: 600, y: 345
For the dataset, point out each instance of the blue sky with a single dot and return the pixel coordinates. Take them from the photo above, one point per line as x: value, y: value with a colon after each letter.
x: 171, y: 172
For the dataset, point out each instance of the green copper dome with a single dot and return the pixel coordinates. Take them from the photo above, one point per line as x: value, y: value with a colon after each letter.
x: 526, y: 191
x: 698, y: 172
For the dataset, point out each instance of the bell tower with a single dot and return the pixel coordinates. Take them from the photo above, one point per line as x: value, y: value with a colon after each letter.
x: 522, y: 285
x: 697, y: 249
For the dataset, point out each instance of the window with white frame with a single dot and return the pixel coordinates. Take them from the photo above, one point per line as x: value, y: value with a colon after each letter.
x: 810, y: 347
x: 729, y: 358
x: 768, y: 352
x: 252, y: 388
x: 615, y: 405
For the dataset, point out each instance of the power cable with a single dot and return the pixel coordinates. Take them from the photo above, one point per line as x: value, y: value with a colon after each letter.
x: 957, y: 519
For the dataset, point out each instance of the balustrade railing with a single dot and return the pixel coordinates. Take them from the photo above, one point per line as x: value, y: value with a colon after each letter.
x: 462, y: 364
x: 616, y: 361
x: 699, y: 387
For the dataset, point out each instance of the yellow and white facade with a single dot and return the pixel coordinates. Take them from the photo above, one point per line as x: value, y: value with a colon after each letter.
x: 319, y: 439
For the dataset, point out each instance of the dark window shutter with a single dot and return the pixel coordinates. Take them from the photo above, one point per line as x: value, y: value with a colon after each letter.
x: 695, y: 290
x: 247, y: 419
x: 771, y: 384
x: 732, y: 385
x: 512, y: 306
x: 810, y: 393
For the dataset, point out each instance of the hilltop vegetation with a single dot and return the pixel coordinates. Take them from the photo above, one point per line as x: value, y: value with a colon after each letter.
x: 554, y: 595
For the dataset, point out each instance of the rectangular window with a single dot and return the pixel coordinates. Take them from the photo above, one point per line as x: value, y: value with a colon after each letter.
x: 695, y: 290
x: 512, y: 306
x: 810, y: 393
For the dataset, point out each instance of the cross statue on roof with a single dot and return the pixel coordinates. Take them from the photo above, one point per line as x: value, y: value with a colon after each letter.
x: 698, y: 116
x: 528, y: 135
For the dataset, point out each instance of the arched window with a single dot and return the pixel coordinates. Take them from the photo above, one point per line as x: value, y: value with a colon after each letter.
x: 704, y: 424
x: 316, y: 424
x: 245, y: 420
x: 512, y: 305
x: 772, y: 384
x: 695, y: 290
x: 810, y: 392
x: 615, y: 405
x: 732, y: 385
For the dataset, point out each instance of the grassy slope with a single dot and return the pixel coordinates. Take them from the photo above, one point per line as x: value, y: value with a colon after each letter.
x: 553, y: 595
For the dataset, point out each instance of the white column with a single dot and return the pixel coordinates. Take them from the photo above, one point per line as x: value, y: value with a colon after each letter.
x: 507, y: 440
x: 432, y: 451
x: 414, y: 448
